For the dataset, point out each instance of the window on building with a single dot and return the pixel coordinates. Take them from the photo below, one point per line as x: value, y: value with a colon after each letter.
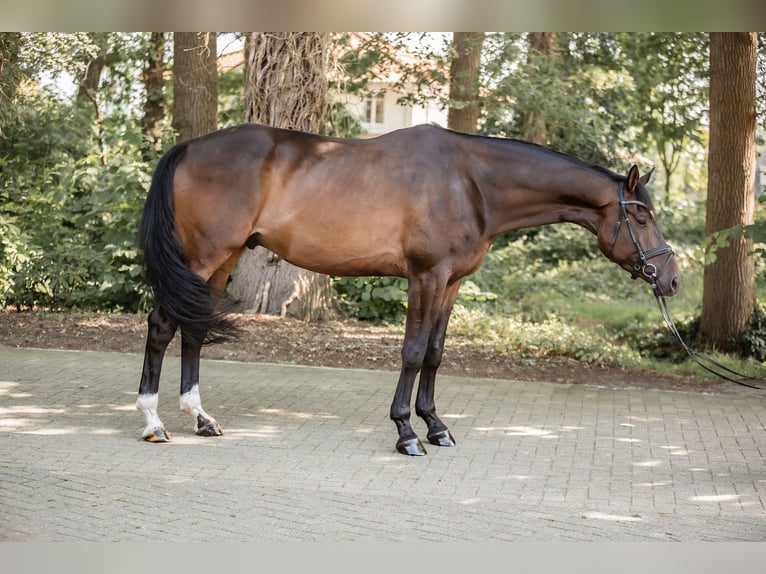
x: 373, y: 109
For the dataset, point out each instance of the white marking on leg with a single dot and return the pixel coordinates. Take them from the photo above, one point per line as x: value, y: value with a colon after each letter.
x: 147, y: 404
x: 190, y: 402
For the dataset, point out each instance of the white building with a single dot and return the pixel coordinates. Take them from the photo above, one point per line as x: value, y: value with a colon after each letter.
x: 381, y: 113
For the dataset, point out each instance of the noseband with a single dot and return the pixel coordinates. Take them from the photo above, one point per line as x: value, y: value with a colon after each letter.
x: 642, y: 265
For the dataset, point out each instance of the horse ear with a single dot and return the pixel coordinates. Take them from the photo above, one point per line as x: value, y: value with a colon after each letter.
x: 631, y: 182
x: 645, y: 178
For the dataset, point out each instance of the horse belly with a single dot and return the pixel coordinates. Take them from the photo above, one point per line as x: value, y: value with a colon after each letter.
x: 337, y: 247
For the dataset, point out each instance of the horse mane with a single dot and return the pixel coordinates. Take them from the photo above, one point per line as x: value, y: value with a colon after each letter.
x: 511, y: 141
x: 643, y: 194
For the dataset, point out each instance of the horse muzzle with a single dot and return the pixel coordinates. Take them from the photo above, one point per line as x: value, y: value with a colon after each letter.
x: 666, y: 280
x: 667, y: 286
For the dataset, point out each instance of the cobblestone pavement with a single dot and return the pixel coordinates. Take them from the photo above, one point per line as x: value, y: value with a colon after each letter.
x: 308, y: 454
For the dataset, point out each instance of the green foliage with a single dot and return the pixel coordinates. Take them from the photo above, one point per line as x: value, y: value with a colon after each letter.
x: 10, y: 44
x: 78, y: 248
x: 755, y: 232
x: 471, y: 294
x: 669, y: 72
x: 419, y: 64
x: 382, y: 299
x: 342, y: 123
x: 752, y: 342
x: 583, y: 100
x: 231, y: 98
x: 70, y: 201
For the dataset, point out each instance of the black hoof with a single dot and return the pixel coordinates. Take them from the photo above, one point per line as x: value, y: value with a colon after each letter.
x: 411, y: 447
x: 442, y: 438
x: 209, y: 428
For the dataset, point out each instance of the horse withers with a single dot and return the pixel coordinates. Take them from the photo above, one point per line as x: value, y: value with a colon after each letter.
x: 423, y: 203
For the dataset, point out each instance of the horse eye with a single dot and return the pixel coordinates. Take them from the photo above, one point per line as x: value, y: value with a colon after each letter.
x: 641, y: 221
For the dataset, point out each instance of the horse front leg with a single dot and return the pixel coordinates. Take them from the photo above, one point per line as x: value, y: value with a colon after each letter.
x: 161, y: 330
x: 190, y: 401
x: 425, y: 406
x: 424, y: 291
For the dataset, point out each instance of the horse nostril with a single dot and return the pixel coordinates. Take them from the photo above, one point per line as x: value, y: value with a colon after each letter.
x: 674, y: 284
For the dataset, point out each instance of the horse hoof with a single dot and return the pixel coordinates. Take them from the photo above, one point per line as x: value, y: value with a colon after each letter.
x: 159, y: 435
x: 210, y: 428
x: 442, y: 438
x: 411, y: 447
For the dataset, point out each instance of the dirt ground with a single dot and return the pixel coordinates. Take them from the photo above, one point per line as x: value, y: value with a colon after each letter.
x: 347, y: 343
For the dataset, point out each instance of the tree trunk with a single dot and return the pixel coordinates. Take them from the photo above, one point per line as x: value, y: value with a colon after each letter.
x: 463, y: 114
x: 88, y: 86
x: 91, y: 78
x: 10, y: 45
x: 264, y: 283
x: 154, y: 104
x: 195, y: 84
x: 286, y: 80
x: 541, y: 45
x: 728, y: 298
x: 286, y: 87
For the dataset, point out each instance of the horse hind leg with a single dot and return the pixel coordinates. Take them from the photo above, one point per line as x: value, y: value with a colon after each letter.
x: 161, y: 330
x: 190, y: 401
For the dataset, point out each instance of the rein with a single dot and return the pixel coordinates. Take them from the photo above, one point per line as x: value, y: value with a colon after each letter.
x: 710, y: 365
x: 649, y: 270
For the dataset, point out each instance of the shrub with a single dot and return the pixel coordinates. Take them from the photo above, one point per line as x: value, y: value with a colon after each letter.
x: 69, y: 211
x: 381, y: 299
x: 752, y: 342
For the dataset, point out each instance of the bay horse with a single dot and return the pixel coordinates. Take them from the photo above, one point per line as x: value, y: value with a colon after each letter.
x: 423, y: 203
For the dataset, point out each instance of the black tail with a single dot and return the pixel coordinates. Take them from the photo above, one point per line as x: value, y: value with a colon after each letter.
x: 183, y: 294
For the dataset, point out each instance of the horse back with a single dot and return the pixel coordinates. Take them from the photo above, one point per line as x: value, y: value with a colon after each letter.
x: 339, y: 206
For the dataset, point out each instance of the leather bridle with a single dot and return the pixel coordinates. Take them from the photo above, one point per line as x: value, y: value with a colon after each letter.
x: 642, y: 264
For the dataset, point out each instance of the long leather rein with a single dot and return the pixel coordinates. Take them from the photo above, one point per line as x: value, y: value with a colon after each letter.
x: 649, y: 270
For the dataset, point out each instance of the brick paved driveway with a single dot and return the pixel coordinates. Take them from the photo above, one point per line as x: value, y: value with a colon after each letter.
x: 308, y: 454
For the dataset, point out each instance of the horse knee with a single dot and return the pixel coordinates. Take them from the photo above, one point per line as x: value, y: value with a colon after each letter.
x: 433, y: 358
x: 413, y: 355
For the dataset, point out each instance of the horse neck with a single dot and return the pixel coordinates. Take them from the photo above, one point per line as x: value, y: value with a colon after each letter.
x: 526, y: 186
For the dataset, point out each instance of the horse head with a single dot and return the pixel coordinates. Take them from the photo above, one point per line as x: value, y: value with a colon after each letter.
x: 631, y: 237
